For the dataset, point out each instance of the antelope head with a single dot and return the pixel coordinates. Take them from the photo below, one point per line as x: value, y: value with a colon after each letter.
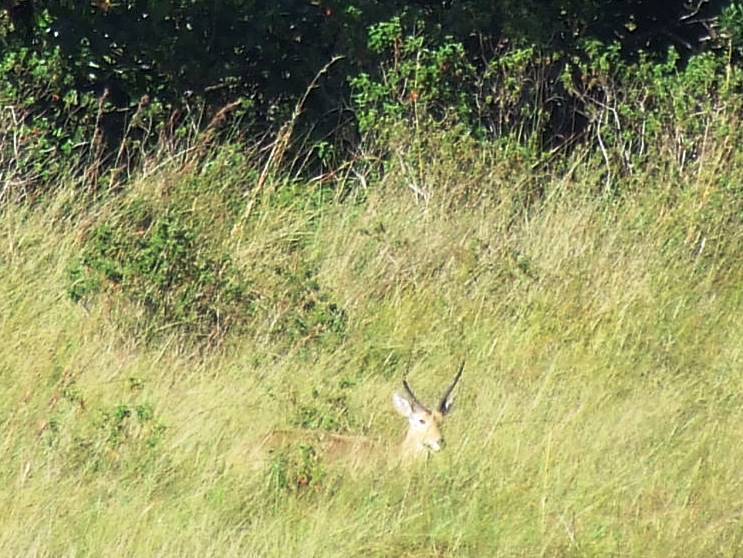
x: 424, y: 425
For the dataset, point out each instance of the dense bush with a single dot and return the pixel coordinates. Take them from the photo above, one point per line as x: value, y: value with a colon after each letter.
x: 162, y: 263
x: 82, y: 77
x: 79, y: 79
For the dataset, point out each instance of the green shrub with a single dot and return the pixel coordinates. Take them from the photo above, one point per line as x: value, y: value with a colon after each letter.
x: 295, y: 469
x: 299, y: 312
x: 731, y: 23
x: 103, y: 436
x: 38, y: 131
x: 328, y: 409
x: 632, y: 109
x: 416, y: 78
x: 160, y: 262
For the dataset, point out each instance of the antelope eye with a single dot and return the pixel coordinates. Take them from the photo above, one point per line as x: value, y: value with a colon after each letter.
x: 422, y: 421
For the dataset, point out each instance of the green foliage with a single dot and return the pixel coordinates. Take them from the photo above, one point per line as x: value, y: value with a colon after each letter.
x: 301, y: 312
x: 161, y: 263
x: 313, y: 314
x: 631, y: 107
x: 46, y: 119
x: 417, y: 76
x: 123, y: 423
x: 114, y: 76
x: 328, y: 409
x: 296, y: 469
x: 528, y: 97
x: 731, y: 23
x: 520, y: 100
x: 117, y: 435
x: 105, y: 437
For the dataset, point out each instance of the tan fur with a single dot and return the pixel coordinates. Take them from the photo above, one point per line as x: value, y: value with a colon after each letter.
x: 423, y: 437
x: 331, y: 447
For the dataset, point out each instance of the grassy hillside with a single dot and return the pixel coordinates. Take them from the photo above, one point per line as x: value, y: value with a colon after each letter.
x: 601, y: 410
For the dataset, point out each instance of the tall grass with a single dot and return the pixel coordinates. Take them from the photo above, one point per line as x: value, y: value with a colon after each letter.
x: 601, y: 410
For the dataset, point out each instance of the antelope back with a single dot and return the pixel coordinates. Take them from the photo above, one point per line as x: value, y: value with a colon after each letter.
x: 424, y: 436
x: 329, y: 447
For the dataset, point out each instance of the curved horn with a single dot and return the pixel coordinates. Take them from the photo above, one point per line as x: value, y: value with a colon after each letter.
x: 447, y: 399
x: 412, y: 396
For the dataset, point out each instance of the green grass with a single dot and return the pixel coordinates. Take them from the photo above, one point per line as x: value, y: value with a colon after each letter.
x: 601, y: 411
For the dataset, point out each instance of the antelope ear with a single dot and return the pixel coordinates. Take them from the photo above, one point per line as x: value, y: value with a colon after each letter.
x: 402, y: 405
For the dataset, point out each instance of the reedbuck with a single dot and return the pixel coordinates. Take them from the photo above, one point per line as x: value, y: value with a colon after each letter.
x: 423, y: 436
x: 424, y: 425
